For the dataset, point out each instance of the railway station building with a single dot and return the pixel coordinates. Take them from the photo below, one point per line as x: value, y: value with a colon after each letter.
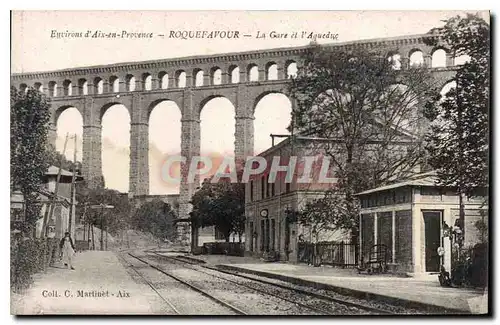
x: 270, y: 206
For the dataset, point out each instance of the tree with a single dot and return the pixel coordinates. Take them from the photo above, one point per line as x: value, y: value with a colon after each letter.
x: 29, y: 111
x: 372, y: 113
x: 329, y: 213
x: 115, y: 219
x: 458, y: 139
x: 157, y: 218
x: 220, y: 204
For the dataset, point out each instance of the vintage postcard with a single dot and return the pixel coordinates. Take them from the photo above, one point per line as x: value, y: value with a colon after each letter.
x: 249, y: 163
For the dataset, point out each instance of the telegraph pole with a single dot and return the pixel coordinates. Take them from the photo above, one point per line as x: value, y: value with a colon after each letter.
x: 73, y: 191
x: 50, y: 209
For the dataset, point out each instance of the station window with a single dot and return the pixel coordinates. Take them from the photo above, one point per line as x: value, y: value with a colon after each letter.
x: 272, y: 235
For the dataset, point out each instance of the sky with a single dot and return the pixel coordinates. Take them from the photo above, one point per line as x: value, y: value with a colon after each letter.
x: 33, y: 49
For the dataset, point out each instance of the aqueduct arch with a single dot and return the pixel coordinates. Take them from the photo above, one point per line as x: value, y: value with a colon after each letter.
x: 90, y: 89
x: 263, y: 129
x: 217, y: 130
x: 164, y: 143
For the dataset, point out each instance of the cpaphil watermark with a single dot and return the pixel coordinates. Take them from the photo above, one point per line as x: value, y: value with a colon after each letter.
x: 305, y: 169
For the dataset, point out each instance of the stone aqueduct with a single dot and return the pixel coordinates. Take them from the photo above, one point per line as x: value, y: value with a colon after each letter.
x: 243, y: 78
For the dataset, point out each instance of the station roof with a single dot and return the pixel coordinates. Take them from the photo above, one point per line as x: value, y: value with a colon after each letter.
x: 424, y: 179
x: 66, y: 175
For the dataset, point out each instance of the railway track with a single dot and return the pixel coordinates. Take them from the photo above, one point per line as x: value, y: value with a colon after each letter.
x: 152, y: 286
x: 225, y: 304
x: 317, y: 298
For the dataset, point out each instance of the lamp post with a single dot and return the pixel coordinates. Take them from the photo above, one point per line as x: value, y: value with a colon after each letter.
x: 103, y: 206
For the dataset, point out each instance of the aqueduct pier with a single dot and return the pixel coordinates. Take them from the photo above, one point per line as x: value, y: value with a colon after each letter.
x: 243, y: 78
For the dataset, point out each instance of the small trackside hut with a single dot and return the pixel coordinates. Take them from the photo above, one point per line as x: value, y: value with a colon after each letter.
x: 408, y: 218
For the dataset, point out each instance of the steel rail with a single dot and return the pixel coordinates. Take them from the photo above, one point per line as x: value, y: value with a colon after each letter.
x: 195, y: 288
x: 152, y: 286
x: 316, y: 309
x: 309, y: 293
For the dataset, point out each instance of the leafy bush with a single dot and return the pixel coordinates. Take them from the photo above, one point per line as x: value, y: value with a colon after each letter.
x: 220, y: 204
x: 157, y: 218
x: 470, y: 268
x: 479, y: 265
x: 29, y: 256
